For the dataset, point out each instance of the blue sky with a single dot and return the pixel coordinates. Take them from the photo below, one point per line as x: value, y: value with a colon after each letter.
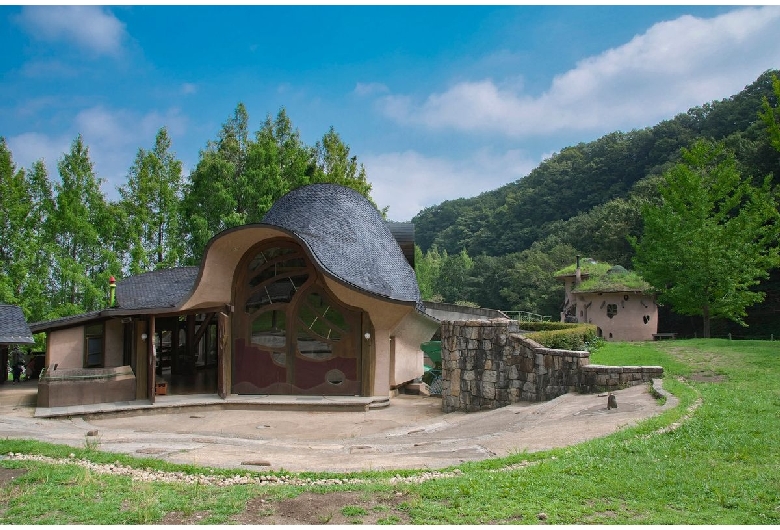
x: 437, y: 102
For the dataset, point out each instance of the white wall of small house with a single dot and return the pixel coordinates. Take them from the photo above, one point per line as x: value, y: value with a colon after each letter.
x: 635, y: 317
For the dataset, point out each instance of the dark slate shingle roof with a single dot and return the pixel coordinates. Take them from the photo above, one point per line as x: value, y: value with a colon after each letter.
x: 156, y: 289
x: 13, y: 326
x: 63, y: 322
x: 348, y: 238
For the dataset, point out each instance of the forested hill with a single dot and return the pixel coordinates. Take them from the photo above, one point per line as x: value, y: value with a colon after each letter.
x: 579, y: 178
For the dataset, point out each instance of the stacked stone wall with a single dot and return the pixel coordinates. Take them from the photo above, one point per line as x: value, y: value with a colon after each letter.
x: 489, y: 364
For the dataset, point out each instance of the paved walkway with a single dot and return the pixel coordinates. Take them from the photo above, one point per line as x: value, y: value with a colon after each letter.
x: 411, y: 432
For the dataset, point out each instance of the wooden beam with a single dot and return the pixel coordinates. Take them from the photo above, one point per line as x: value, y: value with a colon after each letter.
x: 223, y: 355
x: 203, y: 326
x: 151, y: 355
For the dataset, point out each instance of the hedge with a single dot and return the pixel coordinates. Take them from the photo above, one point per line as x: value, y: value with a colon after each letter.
x: 562, y: 336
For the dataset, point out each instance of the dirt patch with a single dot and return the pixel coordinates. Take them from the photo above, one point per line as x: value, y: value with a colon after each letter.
x: 179, y: 518
x: 7, y: 475
x: 707, y: 376
x: 340, y: 508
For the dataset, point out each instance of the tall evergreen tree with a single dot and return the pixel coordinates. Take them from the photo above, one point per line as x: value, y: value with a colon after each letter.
x: 26, y: 205
x: 84, y: 233
x: 151, y: 201
x: 237, y: 180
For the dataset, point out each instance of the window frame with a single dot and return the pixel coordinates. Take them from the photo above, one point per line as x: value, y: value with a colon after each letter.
x: 88, y: 335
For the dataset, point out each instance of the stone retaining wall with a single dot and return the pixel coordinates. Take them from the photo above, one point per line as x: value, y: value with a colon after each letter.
x: 489, y: 364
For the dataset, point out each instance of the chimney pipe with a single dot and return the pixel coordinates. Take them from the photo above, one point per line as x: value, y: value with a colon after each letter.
x: 577, y: 273
x: 111, y: 292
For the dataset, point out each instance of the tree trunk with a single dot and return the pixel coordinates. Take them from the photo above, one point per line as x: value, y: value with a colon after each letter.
x: 706, y: 317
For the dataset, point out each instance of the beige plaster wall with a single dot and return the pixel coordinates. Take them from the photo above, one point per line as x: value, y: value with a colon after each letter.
x: 214, y: 287
x: 66, y: 348
x: 114, y: 346
x: 628, y: 323
x: 412, y: 331
x: 385, y: 316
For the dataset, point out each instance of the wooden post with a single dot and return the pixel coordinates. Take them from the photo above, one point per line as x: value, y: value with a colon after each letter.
x: 141, y: 355
x: 224, y: 359
x: 3, y: 363
x: 151, y: 355
x: 192, y: 347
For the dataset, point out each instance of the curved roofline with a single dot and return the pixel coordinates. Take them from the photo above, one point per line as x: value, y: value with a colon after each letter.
x: 282, y: 232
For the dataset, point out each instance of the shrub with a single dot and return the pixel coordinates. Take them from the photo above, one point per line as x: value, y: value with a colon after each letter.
x: 576, y: 337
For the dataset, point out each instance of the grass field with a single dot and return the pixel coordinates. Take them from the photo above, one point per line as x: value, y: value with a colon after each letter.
x: 714, y: 459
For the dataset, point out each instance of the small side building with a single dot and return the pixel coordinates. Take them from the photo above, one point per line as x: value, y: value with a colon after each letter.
x: 13, y: 331
x: 617, y: 301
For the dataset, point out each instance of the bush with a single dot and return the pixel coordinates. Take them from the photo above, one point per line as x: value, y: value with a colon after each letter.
x: 576, y: 337
x: 546, y: 326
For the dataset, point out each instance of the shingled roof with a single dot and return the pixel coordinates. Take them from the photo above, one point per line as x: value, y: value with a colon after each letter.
x: 156, y: 289
x: 13, y: 326
x: 348, y: 238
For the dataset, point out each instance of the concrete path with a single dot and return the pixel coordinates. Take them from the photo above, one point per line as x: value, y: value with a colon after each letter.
x: 410, y: 433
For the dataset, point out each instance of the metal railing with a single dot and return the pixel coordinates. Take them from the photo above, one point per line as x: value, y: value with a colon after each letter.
x: 527, y: 316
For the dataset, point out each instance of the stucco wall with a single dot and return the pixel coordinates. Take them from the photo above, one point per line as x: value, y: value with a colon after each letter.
x: 113, y: 343
x: 66, y: 348
x: 636, y: 318
x: 407, y: 363
x: 395, y: 362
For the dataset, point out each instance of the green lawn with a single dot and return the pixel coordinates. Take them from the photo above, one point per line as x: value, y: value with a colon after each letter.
x: 714, y: 459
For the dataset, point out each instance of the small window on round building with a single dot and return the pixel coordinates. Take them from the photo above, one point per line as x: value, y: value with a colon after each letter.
x: 611, y: 310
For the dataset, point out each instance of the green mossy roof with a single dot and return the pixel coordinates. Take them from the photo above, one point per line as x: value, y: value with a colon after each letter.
x: 603, y: 277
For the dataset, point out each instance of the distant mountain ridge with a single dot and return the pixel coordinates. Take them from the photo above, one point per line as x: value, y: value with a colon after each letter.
x: 509, y: 219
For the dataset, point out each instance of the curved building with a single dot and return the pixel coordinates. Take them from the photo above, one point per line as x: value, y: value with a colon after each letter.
x: 318, y: 299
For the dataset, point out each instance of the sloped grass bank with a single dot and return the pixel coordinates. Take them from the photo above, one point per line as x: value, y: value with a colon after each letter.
x: 712, y: 460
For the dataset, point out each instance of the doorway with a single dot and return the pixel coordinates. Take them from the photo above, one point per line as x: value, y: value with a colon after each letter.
x: 291, y: 335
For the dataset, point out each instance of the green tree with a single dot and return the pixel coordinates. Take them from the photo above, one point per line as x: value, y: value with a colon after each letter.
x: 84, y: 230
x: 531, y: 285
x: 453, y: 279
x: 335, y: 164
x: 712, y: 238
x: 151, y: 203
x: 427, y: 267
x: 214, y: 198
x: 24, y: 264
x: 238, y: 179
x: 771, y: 114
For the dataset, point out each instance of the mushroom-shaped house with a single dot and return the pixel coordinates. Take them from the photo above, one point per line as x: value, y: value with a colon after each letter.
x: 318, y: 299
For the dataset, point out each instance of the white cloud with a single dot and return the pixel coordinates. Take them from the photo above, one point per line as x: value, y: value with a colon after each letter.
x: 48, y: 69
x: 28, y: 148
x: 369, y: 89
x: 673, y: 66
x: 113, y: 137
x: 408, y: 181
x: 91, y: 28
x: 189, y: 88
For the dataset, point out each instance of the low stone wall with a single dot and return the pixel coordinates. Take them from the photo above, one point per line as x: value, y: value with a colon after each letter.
x: 600, y: 378
x: 63, y: 388
x: 489, y: 364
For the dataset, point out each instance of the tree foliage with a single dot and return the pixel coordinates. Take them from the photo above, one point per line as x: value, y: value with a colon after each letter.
x: 712, y: 238
x: 238, y: 179
x: 581, y: 177
x: 26, y: 202
x: 150, y: 201
x: 84, y: 232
